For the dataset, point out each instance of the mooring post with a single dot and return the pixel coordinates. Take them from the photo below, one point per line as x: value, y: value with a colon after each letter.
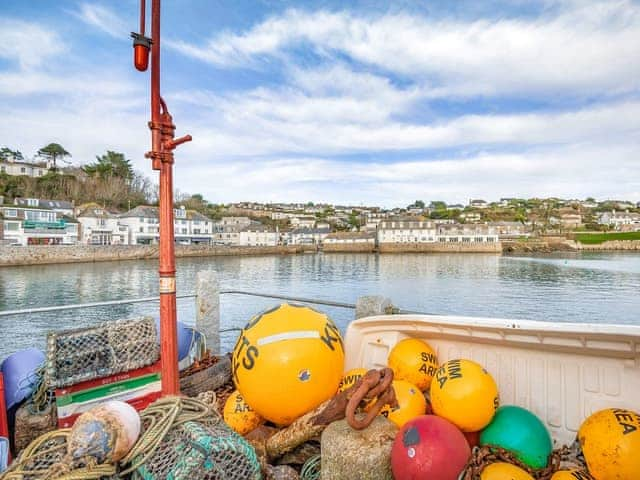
x: 371, y: 305
x: 208, y: 308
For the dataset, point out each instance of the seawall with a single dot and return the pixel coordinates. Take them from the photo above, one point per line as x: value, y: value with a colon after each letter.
x: 440, y: 247
x: 53, y: 254
x: 361, y: 247
x: 609, y: 246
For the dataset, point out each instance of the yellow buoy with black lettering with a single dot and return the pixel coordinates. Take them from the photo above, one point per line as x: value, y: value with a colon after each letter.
x: 239, y: 415
x: 414, y: 361
x: 411, y: 403
x: 350, y: 378
x: 610, y: 442
x: 287, y: 361
x: 573, y: 474
x: 504, y: 471
x: 465, y: 394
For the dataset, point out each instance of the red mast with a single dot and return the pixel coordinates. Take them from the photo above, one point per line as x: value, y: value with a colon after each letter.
x: 162, y: 145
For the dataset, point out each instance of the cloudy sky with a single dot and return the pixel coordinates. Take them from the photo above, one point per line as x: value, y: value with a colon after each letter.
x: 355, y: 102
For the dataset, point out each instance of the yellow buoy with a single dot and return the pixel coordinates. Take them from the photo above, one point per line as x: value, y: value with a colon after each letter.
x: 465, y: 394
x: 350, y: 378
x: 504, y: 471
x: 414, y: 361
x: 287, y: 361
x: 240, y: 416
x: 411, y: 403
x: 571, y: 475
x: 610, y: 442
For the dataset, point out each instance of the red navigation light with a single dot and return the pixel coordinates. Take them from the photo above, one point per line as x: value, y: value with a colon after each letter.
x: 141, y: 46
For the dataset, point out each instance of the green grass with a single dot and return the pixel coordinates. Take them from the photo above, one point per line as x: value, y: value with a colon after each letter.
x: 595, y: 238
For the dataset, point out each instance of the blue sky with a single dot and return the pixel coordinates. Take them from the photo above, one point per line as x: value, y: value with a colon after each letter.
x: 363, y: 102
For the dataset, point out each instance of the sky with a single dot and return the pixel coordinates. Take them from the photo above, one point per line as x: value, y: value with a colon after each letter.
x: 359, y: 102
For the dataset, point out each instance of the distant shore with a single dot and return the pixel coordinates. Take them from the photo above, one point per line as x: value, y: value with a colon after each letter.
x: 46, y: 255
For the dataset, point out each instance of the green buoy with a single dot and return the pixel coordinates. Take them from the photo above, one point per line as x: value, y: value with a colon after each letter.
x: 519, y: 431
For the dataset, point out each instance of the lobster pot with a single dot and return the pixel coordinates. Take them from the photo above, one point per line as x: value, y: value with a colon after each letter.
x: 206, y: 450
x: 209, y: 378
x: 75, y: 356
x: 29, y: 424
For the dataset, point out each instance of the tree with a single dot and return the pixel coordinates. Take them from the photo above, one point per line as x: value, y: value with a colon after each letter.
x: 53, y: 151
x: 6, y: 153
x: 418, y: 204
x: 112, y: 164
x: 438, y: 205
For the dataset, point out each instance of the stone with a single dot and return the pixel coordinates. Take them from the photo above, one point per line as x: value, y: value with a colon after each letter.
x: 367, y: 453
x: 369, y: 306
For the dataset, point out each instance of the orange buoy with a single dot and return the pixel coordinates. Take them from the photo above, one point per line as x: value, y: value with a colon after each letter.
x: 465, y: 394
x: 571, y: 475
x: 350, y: 378
x: 413, y: 360
x: 411, y: 403
x: 504, y: 471
x: 239, y: 415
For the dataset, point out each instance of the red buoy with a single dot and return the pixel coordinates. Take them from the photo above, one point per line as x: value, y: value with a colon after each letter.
x: 429, y: 448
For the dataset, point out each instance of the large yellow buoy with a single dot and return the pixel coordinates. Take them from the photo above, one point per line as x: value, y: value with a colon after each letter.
x: 414, y: 361
x: 350, y: 378
x: 610, y: 442
x: 571, y: 475
x: 287, y: 361
x: 465, y: 394
x: 411, y: 403
x: 239, y: 415
x: 504, y: 471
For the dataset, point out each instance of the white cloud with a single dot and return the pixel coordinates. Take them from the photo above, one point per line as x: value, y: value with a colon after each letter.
x: 587, y: 47
x: 104, y: 19
x: 28, y: 44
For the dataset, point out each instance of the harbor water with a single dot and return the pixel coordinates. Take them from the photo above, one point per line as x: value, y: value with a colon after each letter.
x: 581, y: 287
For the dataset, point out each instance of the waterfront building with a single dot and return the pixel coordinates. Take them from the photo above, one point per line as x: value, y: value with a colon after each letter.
x: 98, y: 226
x: 16, y: 167
x: 24, y: 225
x: 467, y: 233
x: 348, y: 238
x: 620, y: 220
x: 506, y: 230
x: 258, y: 235
x: 308, y: 236
x: 190, y: 227
x: 406, y: 230
x: 60, y: 206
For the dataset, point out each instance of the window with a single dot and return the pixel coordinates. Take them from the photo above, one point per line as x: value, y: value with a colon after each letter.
x: 141, y: 229
x: 11, y: 213
x: 196, y: 231
x: 22, y: 170
x: 479, y: 239
x: 11, y: 226
x: 184, y: 231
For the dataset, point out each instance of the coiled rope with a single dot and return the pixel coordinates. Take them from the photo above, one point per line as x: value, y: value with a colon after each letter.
x: 311, y: 469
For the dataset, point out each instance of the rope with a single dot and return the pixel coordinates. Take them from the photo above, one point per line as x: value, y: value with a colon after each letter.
x: 311, y: 469
x: 159, y: 418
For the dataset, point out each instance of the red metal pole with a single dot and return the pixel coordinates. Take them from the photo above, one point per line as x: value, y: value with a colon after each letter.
x: 4, y: 425
x: 163, y: 143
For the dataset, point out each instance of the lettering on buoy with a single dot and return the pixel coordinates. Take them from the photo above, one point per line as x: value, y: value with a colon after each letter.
x: 624, y: 416
x: 431, y: 359
x: 331, y: 336
x: 453, y: 371
x: 248, y: 359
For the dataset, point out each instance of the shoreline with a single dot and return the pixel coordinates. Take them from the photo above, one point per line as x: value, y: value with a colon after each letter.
x: 60, y: 254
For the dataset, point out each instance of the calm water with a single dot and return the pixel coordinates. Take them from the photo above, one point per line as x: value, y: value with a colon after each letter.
x: 569, y: 288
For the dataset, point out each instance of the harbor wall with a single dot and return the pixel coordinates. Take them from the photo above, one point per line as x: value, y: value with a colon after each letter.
x: 53, y: 254
x: 361, y: 247
x: 440, y: 247
x: 610, y: 245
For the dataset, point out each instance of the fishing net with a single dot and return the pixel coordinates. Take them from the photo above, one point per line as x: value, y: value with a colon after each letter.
x: 42, y: 460
x: 79, y: 355
x: 184, y: 439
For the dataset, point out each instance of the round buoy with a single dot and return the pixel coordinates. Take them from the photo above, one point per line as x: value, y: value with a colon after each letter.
x: 240, y: 416
x: 287, y: 361
x: 571, y: 475
x: 504, y: 471
x: 429, y: 447
x: 519, y: 431
x: 465, y: 394
x: 610, y: 442
x: 106, y: 432
x: 411, y: 403
x: 350, y: 378
x: 414, y: 361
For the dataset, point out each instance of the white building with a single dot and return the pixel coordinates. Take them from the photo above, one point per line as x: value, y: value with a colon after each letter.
x: 190, y: 227
x: 406, y: 231
x: 478, y: 204
x: 12, y: 166
x: 470, y: 216
x: 98, y: 226
x: 257, y: 235
x: 279, y: 215
x: 620, y: 220
x: 60, y: 206
x: 467, y: 233
x: 238, y: 222
x: 307, y: 236
x: 303, y: 221
x: 38, y: 226
x: 510, y: 229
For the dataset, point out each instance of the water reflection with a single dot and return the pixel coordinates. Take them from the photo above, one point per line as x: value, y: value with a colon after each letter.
x: 574, y: 287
